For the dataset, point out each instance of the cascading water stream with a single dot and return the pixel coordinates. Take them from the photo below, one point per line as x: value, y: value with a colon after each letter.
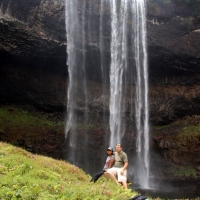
x: 128, y: 61
x: 72, y: 35
x: 75, y: 29
x: 119, y: 70
x: 77, y: 87
x: 141, y: 105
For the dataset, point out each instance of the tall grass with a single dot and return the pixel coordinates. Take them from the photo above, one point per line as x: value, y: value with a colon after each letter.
x: 27, y: 176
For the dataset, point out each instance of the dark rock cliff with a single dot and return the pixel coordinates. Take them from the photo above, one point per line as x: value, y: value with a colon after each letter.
x: 33, y: 40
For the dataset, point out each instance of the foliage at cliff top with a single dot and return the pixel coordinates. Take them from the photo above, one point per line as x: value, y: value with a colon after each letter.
x: 27, y: 176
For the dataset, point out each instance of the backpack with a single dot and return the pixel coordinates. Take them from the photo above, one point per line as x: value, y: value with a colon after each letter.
x: 138, y: 197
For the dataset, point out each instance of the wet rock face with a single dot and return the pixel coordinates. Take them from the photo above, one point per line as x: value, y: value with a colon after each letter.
x: 173, y: 38
x: 33, y: 44
x: 33, y: 53
x: 173, y: 34
x: 45, y: 18
x: 30, y: 31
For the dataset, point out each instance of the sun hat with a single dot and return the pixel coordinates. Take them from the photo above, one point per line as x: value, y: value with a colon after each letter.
x: 110, y: 148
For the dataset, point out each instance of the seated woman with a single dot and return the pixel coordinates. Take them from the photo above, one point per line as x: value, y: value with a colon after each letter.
x: 109, y: 163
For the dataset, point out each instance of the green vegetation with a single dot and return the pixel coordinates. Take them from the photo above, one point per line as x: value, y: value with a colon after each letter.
x: 15, y: 123
x: 166, y: 1
x: 15, y: 117
x: 188, y: 126
x: 85, y: 127
x: 184, y: 133
x: 27, y: 176
x: 184, y: 172
x: 191, y: 130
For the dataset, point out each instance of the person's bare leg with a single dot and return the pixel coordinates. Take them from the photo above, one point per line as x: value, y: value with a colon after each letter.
x: 124, y: 183
x: 113, y: 178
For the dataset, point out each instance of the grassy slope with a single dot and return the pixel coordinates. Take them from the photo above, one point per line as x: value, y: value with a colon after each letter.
x: 27, y: 176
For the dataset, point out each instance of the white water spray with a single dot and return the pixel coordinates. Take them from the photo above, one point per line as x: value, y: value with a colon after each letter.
x: 117, y: 68
x: 75, y: 29
x: 127, y: 52
x: 120, y: 70
x: 141, y: 105
x: 72, y: 34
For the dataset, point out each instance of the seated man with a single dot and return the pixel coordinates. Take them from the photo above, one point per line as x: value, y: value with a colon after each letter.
x: 119, y: 169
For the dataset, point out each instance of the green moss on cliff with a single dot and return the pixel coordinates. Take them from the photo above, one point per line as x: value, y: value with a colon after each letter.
x: 183, y: 171
x: 15, y: 116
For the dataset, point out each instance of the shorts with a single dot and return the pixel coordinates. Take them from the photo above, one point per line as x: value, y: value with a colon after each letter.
x: 116, y: 171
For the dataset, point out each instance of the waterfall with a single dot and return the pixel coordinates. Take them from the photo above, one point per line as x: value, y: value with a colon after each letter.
x: 141, y: 105
x: 117, y: 68
x: 120, y: 69
x: 76, y: 58
x: 76, y: 51
x: 72, y: 34
x: 128, y: 69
